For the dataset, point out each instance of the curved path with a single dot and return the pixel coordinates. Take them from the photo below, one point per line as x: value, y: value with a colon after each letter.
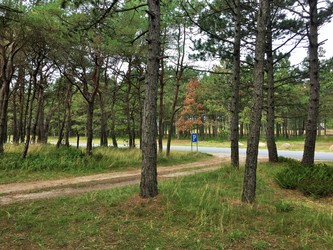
x: 36, y: 190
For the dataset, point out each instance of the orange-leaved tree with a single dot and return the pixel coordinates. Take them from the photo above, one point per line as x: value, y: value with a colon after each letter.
x: 192, y: 114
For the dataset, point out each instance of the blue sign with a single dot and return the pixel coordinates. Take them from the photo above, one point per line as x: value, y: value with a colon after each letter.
x: 194, y: 137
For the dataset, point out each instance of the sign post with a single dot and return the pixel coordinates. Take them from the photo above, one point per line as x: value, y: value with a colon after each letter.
x: 194, y: 139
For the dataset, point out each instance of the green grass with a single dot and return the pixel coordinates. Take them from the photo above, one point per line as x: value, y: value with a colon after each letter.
x: 202, y: 211
x: 48, y: 162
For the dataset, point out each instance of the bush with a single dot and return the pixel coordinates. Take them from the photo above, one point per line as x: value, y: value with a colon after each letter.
x: 316, y: 180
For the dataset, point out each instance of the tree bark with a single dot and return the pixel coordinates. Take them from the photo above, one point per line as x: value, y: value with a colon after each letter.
x: 234, y: 107
x: 161, y: 110
x: 148, y: 184
x: 271, y: 145
x: 250, y: 175
x: 7, y: 54
x: 313, y: 109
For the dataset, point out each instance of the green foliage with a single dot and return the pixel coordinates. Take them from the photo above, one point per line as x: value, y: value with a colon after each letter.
x: 314, y: 180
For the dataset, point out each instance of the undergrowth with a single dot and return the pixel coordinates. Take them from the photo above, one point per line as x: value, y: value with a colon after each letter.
x: 316, y: 180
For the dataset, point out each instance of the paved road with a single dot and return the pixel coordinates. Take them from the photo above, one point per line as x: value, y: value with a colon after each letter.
x: 319, y: 156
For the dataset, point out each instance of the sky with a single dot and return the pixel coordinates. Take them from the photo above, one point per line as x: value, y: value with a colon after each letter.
x: 325, y: 33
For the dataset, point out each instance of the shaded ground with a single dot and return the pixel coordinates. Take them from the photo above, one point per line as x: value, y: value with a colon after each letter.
x: 36, y: 190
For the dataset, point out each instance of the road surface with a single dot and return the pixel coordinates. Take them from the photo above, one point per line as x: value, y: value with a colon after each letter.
x: 319, y: 156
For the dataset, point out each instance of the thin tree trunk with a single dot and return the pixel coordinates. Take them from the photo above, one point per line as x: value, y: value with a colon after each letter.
x: 250, y: 173
x: 61, y: 131
x: 148, y: 184
x: 104, y: 122
x: 161, y: 111
x: 270, y: 136
x: 234, y: 107
x: 179, y: 75
x: 15, y: 122
x: 128, y: 104
x: 29, y: 118
x: 90, y: 132
x: 22, y: 112
x: 313, y: 110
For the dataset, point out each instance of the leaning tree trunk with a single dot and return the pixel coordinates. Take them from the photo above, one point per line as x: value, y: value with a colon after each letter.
x: 250, y: 175
x: 234, y: 107
x: 313, y: 110
x: 148, y: 184
x: 271, y: 145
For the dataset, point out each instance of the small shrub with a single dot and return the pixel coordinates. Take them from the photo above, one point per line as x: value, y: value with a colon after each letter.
x: 316, y: 180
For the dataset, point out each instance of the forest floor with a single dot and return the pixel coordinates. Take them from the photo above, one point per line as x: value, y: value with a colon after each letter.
x: 37, y: 190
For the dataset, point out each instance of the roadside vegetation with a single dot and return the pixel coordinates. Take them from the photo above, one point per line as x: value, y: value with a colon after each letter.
x: 202, y: 211
x: 48, y: 162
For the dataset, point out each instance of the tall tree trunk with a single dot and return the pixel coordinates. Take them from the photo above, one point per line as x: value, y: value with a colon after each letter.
x: 313, y: 110
x: 90, y: 132
x: 91, y: 102
x: 250, y: 174
x: 22, y: 111
x: 179, y: 75
x: 69, y: 116
x: 7, y: 54
x: 15, y: 121
x: 148, y: 184
x: 161, y: 111
x: 270, y: 136
x: 234, y: 107
x: 128, y: 104
x: 4, y: 96
x: 29, y: 118
x: 104, y: 122
x: 113, y: 125
x: 17, y: 104
x: 39, y: 120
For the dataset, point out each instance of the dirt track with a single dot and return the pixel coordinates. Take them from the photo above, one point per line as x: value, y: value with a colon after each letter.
x: 18, y: 192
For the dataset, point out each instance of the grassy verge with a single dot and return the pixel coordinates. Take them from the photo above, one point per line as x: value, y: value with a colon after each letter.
x: 47, y: 162
x: 194, y: 212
